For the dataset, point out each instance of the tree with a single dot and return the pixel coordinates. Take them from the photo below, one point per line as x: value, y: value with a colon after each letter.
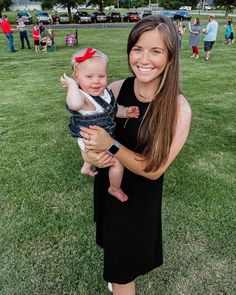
x: 96, y: 2
x: 4, y: 5
x: 68, y: 4
x: 228, y: 5
x: 47, y: 4
x: 175, y: 4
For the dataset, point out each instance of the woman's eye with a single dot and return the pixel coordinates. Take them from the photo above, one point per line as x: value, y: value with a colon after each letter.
x: 136, y: 49
x: 157, y: 52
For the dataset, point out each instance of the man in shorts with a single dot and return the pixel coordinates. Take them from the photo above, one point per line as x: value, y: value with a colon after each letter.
x: 210, y: 33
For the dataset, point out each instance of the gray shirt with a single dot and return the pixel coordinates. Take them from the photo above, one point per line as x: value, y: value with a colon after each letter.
x: 21, y: 26
x: 194, y: 39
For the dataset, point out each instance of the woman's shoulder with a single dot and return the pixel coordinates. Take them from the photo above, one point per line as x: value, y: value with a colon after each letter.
x: 116, y: 86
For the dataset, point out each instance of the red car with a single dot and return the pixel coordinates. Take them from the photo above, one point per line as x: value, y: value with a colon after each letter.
x: 131, y: 17
x: 56, y: 18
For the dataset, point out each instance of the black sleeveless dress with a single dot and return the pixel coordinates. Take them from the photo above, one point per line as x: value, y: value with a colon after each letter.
x: 130, y: 233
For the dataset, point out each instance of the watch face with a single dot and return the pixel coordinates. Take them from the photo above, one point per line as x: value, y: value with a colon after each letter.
x: 113, y: 149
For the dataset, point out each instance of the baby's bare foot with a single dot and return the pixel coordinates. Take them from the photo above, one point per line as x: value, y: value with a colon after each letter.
x: 118, y: 193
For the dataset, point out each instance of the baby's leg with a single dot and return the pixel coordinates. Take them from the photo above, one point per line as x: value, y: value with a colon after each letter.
x: 87, y: 169
x: 115, y: 177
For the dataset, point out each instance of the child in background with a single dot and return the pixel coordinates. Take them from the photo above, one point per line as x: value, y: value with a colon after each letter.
x: 36, y: 36
x: 91, y: 103
x: 228, y: 32
x: 51, y: 36
x: 41, y: 30
x: 180, y: 30
x: 43, y: 43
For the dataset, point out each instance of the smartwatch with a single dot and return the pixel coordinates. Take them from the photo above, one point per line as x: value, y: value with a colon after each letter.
x: 114, y: 148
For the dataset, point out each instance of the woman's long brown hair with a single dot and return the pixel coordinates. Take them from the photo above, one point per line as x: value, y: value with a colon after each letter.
x: 159, y: 123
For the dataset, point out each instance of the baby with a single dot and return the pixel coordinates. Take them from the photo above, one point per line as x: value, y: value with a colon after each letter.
x: 91, y: 103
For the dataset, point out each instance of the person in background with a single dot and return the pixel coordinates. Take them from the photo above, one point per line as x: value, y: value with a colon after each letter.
x: 180, y: 30
x: 8, y: 31
x: 43, y: 43
x: 232, y: 32
x: 194, y: 37
x: 130, y: 233
x: 36, y: 36
x: 51, y: 36
x: 210, y: 34
x: 228, y: 32
x: 21, y: 27
x: 41, y: 30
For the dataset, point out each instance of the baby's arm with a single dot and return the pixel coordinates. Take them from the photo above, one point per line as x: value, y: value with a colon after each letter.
x: 127, y: 112
x: 74, y: 98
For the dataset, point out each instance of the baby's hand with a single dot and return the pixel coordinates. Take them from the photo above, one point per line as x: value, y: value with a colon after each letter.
x: 66, y: 81
x: 132, y: 112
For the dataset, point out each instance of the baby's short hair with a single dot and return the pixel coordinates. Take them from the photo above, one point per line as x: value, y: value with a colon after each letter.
x: 81, y: 52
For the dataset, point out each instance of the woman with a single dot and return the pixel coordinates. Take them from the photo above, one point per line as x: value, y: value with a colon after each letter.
x: 130, y: 233
x: 194, y: 37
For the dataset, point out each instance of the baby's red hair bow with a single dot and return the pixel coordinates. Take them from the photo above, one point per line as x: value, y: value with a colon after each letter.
x: 88, y: 53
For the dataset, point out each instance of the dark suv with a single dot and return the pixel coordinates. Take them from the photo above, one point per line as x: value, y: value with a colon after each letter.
x: 26, y: 17
x: 98, y: 17
x: 146, y: 13
x: 131, y: 17
x: 82, y: 17
x: 114, y: 17
x: 182, y: 15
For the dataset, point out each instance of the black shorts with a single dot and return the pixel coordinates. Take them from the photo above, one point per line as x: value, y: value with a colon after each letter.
x: 43, y: 43
x: 208, y: 45
x: 36, y: 42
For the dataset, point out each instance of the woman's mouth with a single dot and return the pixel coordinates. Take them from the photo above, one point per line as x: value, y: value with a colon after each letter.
x: 145, y: 69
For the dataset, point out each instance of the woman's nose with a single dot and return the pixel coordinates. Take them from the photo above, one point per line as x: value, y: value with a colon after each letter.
x: 144, y: 57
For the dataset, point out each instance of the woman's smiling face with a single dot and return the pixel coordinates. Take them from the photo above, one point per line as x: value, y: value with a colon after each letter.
x: 148, y: 58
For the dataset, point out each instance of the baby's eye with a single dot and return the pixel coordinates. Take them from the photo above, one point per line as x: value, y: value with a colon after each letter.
x: 102, y: 76
x: 89, y: 77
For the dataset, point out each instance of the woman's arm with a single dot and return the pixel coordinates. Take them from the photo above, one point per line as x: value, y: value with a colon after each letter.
x: 97, y: 138
x: 132, y: 161
x: 74, y: 98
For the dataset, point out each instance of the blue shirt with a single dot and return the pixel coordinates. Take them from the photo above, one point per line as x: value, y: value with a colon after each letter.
x: 212, y: 28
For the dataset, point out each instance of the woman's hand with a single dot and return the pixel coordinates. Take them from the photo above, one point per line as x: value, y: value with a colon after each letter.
x: 98, y: 159
x: 96, y: 138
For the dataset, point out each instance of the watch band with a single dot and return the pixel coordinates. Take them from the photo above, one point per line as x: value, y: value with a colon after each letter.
x: 114, y: 148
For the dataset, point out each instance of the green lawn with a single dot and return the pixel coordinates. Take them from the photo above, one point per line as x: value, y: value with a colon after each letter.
x: 47, y: 243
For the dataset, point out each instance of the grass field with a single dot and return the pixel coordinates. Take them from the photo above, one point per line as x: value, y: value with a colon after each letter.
x: 47, y: 234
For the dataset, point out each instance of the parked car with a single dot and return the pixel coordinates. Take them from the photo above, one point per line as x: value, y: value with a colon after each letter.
x: 55, y: 18
x: 26, y: 17
x: 43, y: 17
x: 208, y: 7
x: 113, y: 17
x: 146, y: 13
x: 185, y: 8
x: 64, y: 18
x: 182, y: 15
x: 131, y: 17
x: 168, y: 14
x: 82, y: 17
x: 98, y: 17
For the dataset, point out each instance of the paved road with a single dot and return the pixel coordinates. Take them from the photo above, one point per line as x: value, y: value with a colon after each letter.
x: 88, y: 26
